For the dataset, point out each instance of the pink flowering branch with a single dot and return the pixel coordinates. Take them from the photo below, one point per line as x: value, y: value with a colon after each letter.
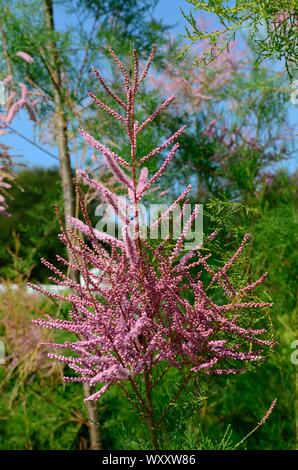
x: 160, y: 172
x: 111, y: 111
x: 156, y: 113
x: 148, y: 65
x: 108, y: 89
x: 101, y: 147
x: 162, y: 146
x: 142, y: 317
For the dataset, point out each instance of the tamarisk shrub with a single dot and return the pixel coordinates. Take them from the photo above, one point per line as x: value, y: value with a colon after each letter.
x: 132, y: 317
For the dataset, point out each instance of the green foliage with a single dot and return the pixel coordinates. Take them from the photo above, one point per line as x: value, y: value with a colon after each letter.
x: 31, y: 231
x: 275, y: 234
x: 45, y: 416
x: 273, y: 39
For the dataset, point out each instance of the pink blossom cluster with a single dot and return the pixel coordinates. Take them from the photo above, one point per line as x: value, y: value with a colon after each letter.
x: 145, y: 304
x: 13, y: 105
x: 194, y: 85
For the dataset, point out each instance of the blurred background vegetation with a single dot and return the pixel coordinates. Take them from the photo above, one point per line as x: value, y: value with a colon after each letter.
x: 235, y: 151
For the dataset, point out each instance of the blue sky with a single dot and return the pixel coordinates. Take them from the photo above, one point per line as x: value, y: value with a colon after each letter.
x: 169, y: 10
